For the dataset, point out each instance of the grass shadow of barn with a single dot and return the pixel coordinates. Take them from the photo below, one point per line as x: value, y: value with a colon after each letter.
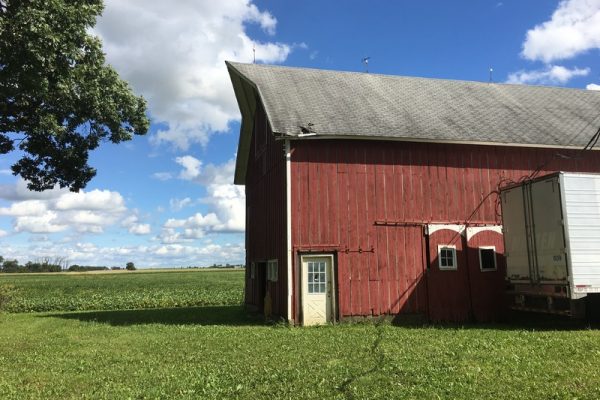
x: 207, y: 315
x: 512, y: 321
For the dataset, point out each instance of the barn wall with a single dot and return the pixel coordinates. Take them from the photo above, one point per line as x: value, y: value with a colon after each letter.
x: 266, y: 217
x: 487, y: 287
x: 367, y: 202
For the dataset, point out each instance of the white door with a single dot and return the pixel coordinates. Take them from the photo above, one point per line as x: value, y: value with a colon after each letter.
x: 317, y: 290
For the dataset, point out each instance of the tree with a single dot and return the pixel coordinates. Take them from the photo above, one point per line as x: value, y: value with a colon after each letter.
x: 58, y: 98
x: 130, y: 266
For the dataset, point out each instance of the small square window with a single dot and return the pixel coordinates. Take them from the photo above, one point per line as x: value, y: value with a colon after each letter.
x: 447, y: 257
x: 487, y: 258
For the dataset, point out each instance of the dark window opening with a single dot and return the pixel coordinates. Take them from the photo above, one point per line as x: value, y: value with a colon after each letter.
x: 487, y: 259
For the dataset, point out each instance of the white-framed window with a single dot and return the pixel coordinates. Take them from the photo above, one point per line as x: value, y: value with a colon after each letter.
x: 252, y: 270
x: 272, y: 270
x: 447, y: 257
x: 317, y: 277
x: 487, y: 258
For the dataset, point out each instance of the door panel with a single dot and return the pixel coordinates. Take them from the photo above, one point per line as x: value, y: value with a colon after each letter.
x: 548, y: 228
x: 317, y: 290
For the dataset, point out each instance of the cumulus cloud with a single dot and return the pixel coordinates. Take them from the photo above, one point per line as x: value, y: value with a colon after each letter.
x: 163, y: 255
x: 227, y: 199
x: 173, y: 53
x: 140, y: 229
x: 574, y: 28
x: 226, y: 202
x: 552, y: 74
x: 133, y: 225
x: 19, y: 191
x: 592, y: 86
x: 180, y: 204
x: 191, y: 167
x: 58, y: 210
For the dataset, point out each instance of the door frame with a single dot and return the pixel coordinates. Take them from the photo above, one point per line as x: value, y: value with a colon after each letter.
x: 333, y: 275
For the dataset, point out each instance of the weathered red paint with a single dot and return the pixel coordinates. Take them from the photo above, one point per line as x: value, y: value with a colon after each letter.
x: 341, y: 188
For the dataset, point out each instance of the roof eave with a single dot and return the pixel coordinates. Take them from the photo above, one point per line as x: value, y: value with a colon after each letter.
x: 424, y: 140
x: 245, y: 95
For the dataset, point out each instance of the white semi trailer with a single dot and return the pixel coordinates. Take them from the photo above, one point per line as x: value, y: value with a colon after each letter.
x: 552, y: 243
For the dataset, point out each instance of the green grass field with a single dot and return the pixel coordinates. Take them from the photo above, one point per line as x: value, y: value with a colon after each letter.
x: 221, y: 352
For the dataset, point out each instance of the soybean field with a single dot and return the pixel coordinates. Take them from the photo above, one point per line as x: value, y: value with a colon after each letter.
x: 123, y: 290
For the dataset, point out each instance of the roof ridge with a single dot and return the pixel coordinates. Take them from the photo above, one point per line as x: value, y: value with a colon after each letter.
x: 434, y: 79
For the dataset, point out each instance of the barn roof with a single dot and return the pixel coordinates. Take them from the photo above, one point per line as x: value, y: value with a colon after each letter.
x: 333, y: 104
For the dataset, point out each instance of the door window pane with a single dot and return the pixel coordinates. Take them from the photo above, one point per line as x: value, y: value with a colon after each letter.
x: 317, y: 277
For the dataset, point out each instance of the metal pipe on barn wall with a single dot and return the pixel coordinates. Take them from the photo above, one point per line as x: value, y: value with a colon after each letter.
x: 288, y: 190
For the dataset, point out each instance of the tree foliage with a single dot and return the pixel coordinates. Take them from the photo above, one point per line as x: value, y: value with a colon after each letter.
x: 130, y: 266
x: 58, y: 97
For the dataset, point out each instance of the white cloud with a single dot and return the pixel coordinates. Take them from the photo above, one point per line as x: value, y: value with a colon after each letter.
x: 140, y: 229
x: 226, y: 202
x: 173, y: 53
x: 58, y: 210
x: 592, y: 86
x: 46, y: 223
x: 179, y: 204
x: 165, y: 255
x: 191, y: 167
x: 134, y: 226
x: 3, y: 233
x: 574, y: 28
x: 227, y: 199
x: 552, y: 74
x: 19, y: 191
x: 25, y: 208
x: 94, y: 200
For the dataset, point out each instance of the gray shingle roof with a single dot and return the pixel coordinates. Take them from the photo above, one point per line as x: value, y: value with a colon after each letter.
x: 349, y: 104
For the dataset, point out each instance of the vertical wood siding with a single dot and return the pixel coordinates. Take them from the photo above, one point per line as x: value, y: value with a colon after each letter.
x: 487, y: 287
x: 341, y: 189
x: 266, y: 216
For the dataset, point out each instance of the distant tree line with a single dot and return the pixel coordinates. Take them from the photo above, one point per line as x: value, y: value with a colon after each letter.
x: 45, y: 264
x: 57, y: 264
x: 227, y: 266
x: 83, y: 268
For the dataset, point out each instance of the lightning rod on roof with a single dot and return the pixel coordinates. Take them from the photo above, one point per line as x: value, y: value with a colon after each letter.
x: 365, y: 61
x: 253, y: 53
x: 491, y: 74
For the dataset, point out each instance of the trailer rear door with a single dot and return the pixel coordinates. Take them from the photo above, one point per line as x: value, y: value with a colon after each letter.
x: 549, y: 238
x: 515, y: 237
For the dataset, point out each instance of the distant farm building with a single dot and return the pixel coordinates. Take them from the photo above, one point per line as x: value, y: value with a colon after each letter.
x: 369, y: 195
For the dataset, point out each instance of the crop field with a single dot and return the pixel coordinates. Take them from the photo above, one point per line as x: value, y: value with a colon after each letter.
x: 222, y: 352
x: 124, y: 290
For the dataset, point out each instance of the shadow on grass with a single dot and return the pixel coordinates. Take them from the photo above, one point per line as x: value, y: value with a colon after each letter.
x: 209, y: 315
x: 515, y: 320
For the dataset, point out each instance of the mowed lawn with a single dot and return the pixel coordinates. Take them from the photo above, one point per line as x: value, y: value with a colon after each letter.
x: 220, y: 351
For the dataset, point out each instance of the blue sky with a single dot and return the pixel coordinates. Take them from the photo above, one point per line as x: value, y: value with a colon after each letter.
x: 167, y: 199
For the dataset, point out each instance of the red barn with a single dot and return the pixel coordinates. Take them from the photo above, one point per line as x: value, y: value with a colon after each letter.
x: 372, y: 195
